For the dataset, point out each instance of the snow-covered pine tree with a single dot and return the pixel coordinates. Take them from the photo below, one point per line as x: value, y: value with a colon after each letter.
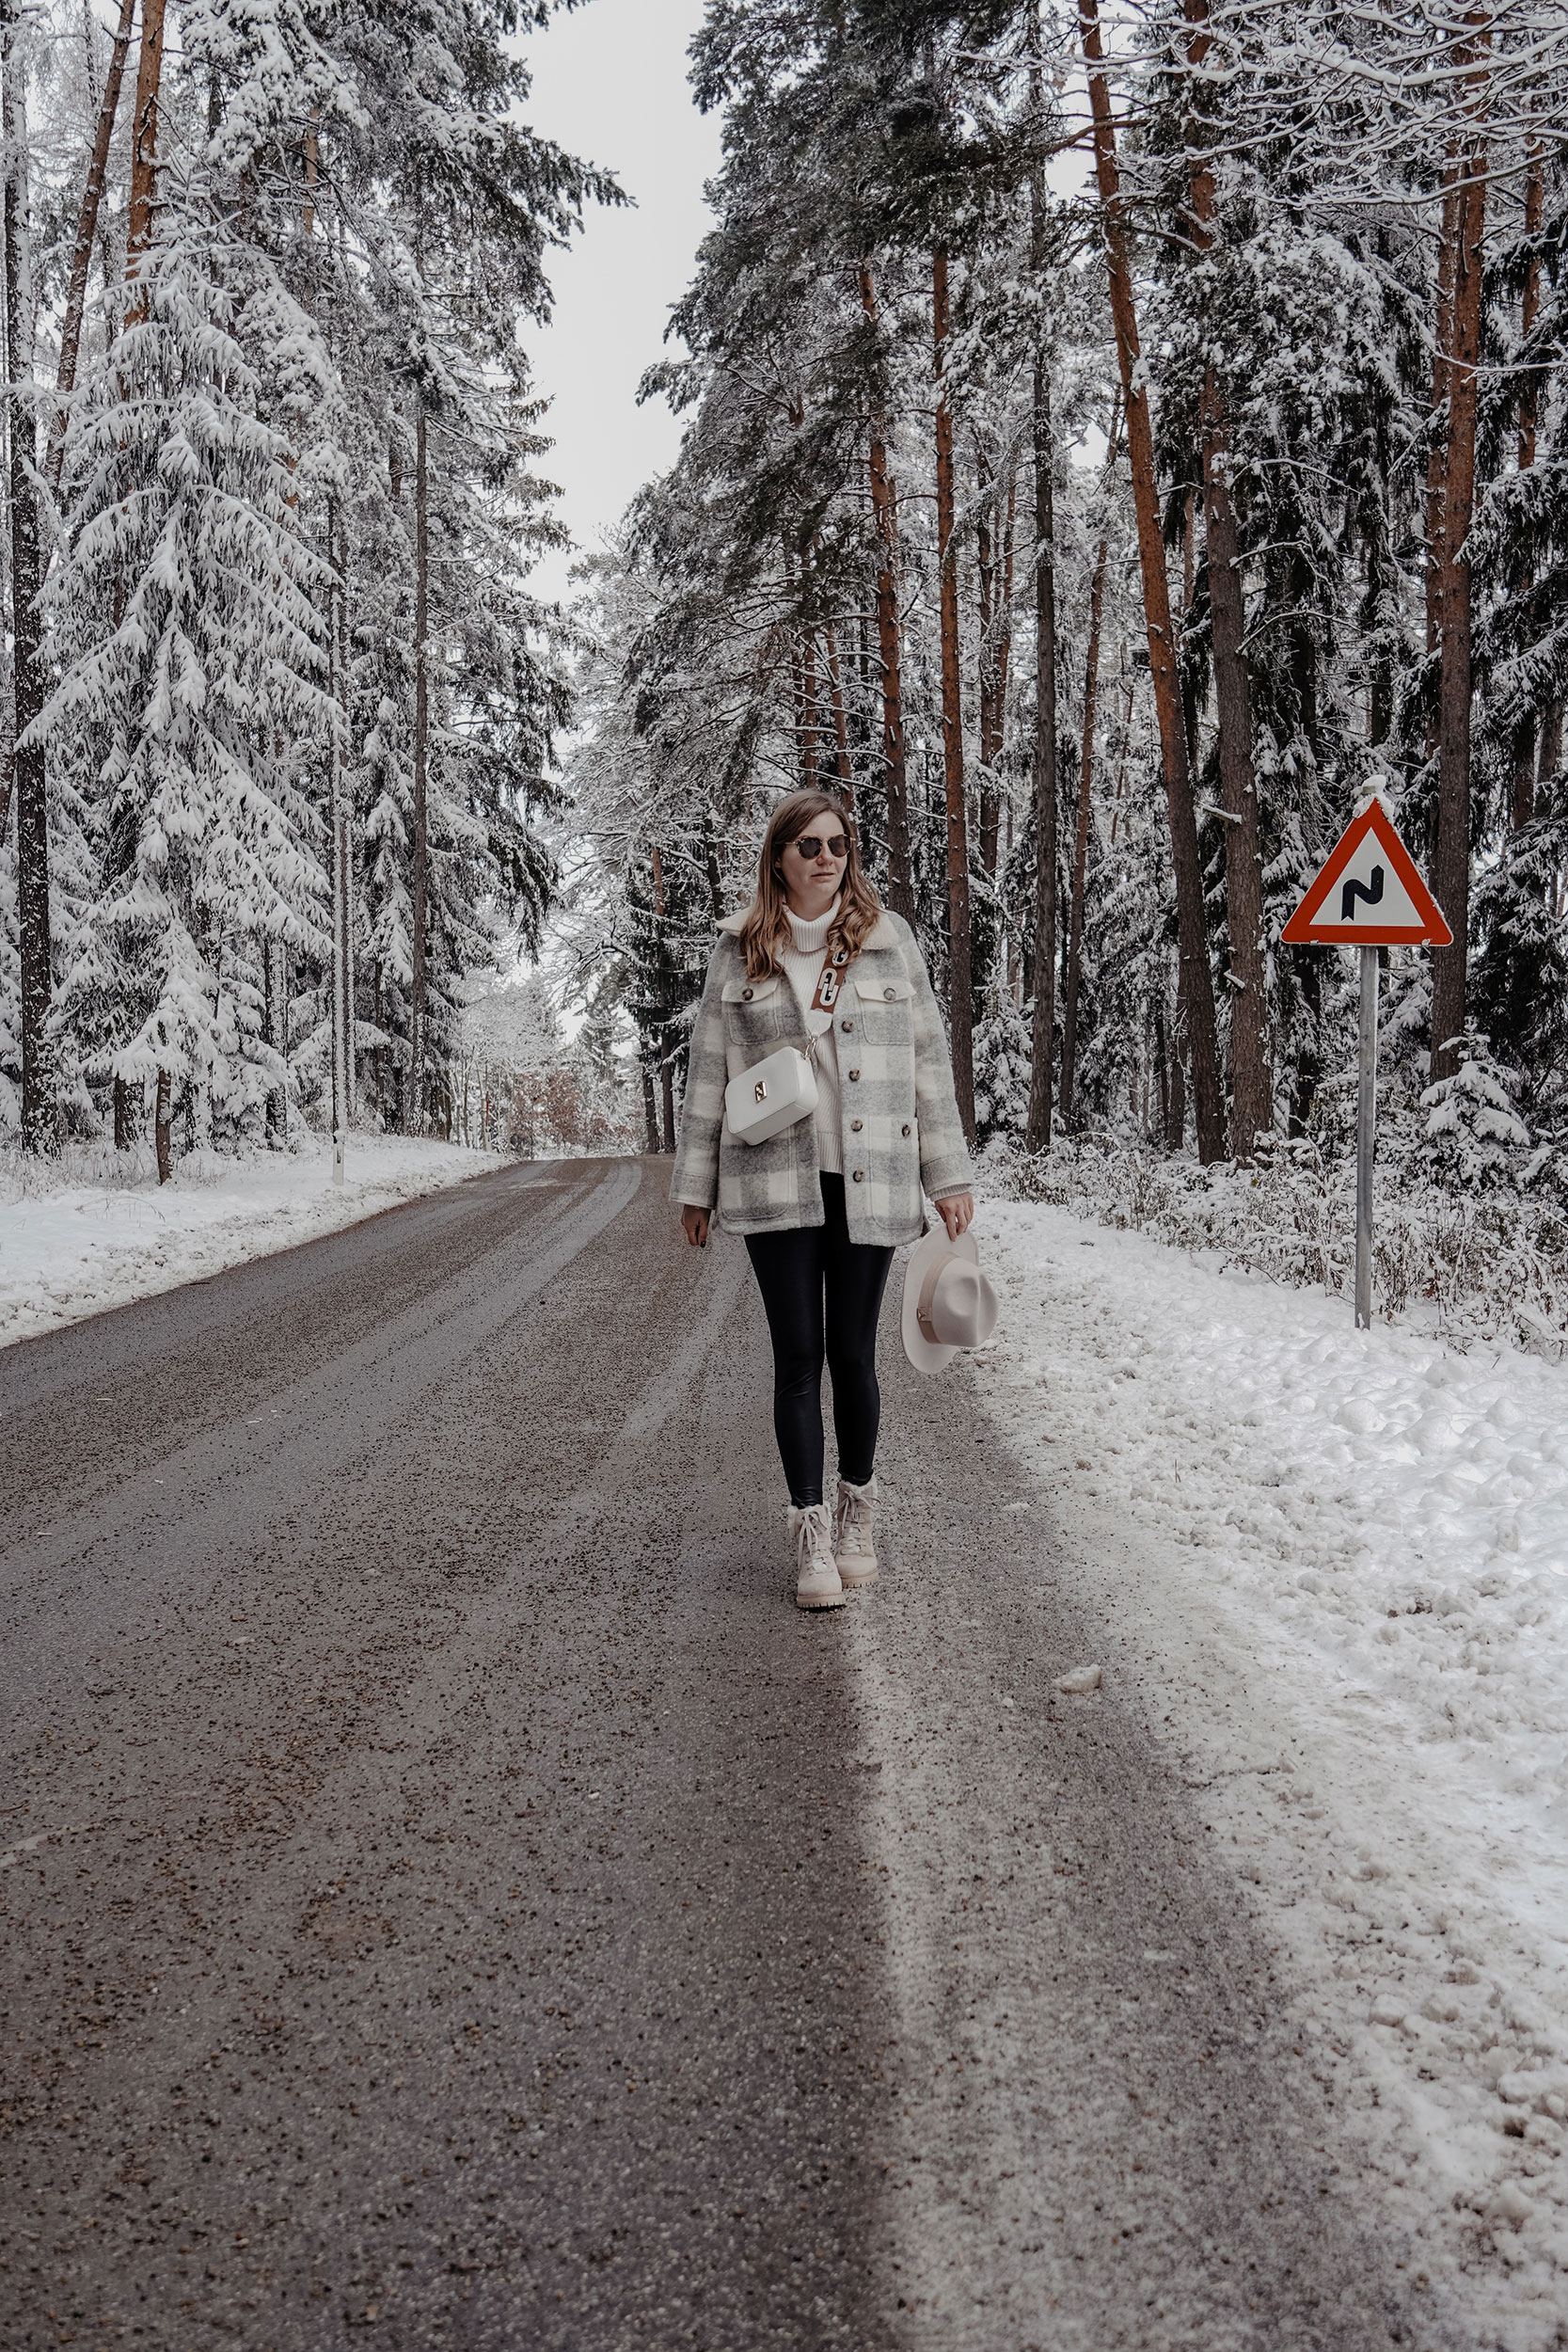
x: 186, y: 607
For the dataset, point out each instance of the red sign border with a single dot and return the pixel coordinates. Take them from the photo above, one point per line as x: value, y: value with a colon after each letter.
x: 1303, y: 931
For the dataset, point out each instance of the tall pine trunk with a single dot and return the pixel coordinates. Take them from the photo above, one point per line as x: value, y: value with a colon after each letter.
x: 1452, y: 868
x: 983, y: 936
x: 32, y: 803
x: 138, y: 237
x: 144, y: 141
x: 417, y: 1053
x: 1081, y: 836
x: 1042, y: 942
x: 1197, y: 988
x: 1004, y: 663
x: 803, y: 665
x: 841, y: 722
x: 1043, y: 953
x: 884, y: 516
x: 959, y: 1000
x: 80, y: 255
x: 1251, y: 1074
x: 343, y: 869
x: 984, y: 553
x: 1522, y: 799
x: 809, y: 717
x: 994, y: 550
x: 1437, y: 449
x: 163, y: 1116
x: 275, y: 970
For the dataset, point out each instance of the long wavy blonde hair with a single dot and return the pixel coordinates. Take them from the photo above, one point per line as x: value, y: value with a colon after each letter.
x: 764, y: 933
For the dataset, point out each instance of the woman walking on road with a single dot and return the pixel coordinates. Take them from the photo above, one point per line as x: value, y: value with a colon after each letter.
x: 815, y: 963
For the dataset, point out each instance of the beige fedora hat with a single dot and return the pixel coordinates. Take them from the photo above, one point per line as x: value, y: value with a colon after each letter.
x: 948, y: 1303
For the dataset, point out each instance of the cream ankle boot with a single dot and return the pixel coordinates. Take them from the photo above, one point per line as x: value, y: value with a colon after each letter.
x: 852, y: 1545
x: 817, y: 1578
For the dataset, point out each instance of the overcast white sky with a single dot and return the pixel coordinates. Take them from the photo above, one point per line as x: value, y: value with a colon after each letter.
x: 610, y: 84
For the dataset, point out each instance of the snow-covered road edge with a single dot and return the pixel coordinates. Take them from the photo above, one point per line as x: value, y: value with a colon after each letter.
x: 78, y: 1249
x: 1330, y: 1564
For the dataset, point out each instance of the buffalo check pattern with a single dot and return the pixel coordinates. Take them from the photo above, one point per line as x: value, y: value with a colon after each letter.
x: 901, y: 1131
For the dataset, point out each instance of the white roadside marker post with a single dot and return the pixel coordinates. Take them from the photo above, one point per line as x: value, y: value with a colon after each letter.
x: 1366, y: 1122
x: 1367, y: 895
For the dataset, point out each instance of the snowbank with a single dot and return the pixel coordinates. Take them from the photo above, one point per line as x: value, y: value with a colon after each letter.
x: 1467, y: 1265
x: 71, y: 1245
x: 1335, y: 1562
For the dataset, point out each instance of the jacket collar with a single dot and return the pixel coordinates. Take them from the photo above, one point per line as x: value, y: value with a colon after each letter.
x: 881, y: 933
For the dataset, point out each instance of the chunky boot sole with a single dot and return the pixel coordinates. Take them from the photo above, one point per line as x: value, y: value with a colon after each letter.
x: 855, y: 1573
x: 820, y: 1600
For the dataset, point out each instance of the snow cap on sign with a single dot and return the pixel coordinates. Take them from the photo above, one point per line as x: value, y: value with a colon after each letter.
x: 1368, y: 893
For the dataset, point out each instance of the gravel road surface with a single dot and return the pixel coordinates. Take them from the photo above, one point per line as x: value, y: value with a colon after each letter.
x: 453, y: 1899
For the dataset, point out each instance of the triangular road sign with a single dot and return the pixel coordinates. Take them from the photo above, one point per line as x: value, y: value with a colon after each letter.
x: 1368, y: 894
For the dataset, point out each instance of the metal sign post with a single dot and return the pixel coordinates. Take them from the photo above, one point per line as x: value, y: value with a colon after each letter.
x: 1366, y: 1118
x: 1367, y: 895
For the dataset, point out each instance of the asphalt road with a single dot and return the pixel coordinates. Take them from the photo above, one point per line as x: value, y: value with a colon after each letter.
x: 453, y: 1898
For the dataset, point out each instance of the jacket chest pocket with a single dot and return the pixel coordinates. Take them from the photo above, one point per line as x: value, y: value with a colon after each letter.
x: 876, y: 1005
x: 754, y: 1019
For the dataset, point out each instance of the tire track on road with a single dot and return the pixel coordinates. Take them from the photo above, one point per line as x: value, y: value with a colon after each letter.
x: 228, y: 1479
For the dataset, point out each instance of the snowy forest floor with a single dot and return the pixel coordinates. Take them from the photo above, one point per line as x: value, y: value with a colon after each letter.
x: 1337, y: 1562
x: 96, y: 1228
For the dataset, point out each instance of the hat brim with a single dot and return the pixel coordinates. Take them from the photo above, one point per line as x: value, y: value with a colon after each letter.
x: 924, y: 1354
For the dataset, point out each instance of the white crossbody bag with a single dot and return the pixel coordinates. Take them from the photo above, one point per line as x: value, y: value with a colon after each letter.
x: 763, y: 1101
x: 771, y: 1096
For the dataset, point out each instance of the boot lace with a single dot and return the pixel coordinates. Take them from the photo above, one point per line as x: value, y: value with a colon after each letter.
x: 853, y: 1515
x: 812, y: 1537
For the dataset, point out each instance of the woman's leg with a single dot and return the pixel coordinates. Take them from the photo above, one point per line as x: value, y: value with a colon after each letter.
x: 788, y: 1268
x: 854, y: 1278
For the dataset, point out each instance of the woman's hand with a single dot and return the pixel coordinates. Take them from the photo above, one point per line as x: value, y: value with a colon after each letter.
x: 694, y: 1224
x: 957, y: 1213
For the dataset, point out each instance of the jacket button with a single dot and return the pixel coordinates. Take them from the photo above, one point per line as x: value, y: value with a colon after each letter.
x: 890, y: 991
x: 746, y: 995
x: 860, y: 1175
x: 847, y: 1026
x: 854, y: 1074
x: 856, y: 1124
x: 906, y: 1131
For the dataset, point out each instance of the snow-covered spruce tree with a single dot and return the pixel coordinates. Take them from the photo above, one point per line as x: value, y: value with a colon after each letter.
x: 187, y: 610
x: 1474, y: 1138
x: 1002, y: 1067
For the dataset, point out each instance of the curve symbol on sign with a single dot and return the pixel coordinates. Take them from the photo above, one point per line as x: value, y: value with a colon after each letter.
x: 1353, y: 890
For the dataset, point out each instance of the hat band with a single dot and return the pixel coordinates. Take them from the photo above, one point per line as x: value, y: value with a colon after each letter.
x: 927, y: 1292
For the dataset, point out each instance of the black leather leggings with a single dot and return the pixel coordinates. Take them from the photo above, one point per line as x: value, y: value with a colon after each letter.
x: 795, y: 1273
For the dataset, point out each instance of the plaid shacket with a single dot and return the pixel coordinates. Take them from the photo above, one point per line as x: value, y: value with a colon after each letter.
x: 901, y: 1129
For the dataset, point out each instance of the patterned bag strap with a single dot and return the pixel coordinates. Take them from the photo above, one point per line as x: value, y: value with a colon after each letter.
x: 829, y: 981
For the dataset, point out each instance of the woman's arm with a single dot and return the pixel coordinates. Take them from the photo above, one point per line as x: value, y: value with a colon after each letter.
x: 944, y: 1170
x: 696, y: 1181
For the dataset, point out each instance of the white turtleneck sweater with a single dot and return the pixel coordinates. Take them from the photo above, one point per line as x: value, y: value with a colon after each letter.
x: 804, y: 961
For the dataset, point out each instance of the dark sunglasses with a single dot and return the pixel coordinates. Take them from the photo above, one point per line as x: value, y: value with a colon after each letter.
x: 811, y: 845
